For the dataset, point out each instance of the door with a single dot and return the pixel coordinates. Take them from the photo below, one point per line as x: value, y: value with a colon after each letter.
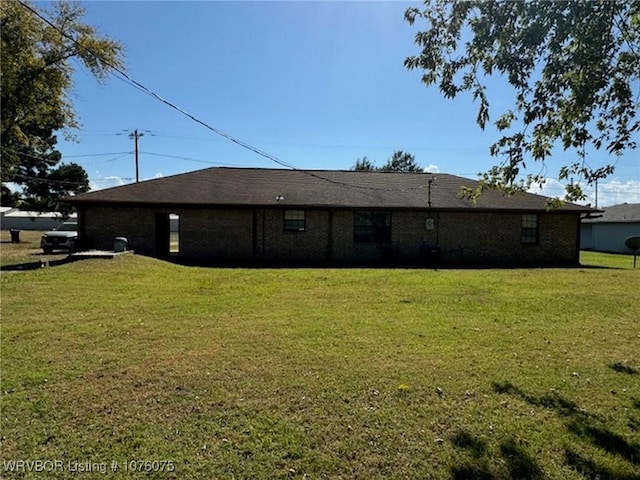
x: 163, y: 235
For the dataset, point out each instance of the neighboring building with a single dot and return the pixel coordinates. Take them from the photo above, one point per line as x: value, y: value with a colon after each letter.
x: 608, y: 232
x: 244, y: 215
x: 15, y: 219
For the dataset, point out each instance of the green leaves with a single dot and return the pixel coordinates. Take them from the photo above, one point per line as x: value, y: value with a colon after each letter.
x: 574, y: 68
x: 364, y: 164
x: 399, y: 162
x: 36, y: 76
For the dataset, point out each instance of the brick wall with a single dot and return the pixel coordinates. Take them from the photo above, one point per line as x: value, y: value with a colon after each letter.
x: 496, y: 238
x: 259, y: 234
x: 216, y: 235
x: 274, y: 244
x: 100, y: 225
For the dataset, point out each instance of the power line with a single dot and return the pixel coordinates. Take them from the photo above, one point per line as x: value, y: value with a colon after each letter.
x: 71, y: 182
x: 153, y: 94
x: 108, y: 179
x: 106, y: 161
x: 179, y: 157
x: 47, y: 180
x: 43, y: 157
x: 96, y: 154
x: 130, y: 81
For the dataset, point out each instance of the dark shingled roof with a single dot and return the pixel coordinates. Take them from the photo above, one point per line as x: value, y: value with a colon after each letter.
x: 623, y: 213
x: 247, y: 187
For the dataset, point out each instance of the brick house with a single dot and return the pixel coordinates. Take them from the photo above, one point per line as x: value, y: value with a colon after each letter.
x: 274, y: 216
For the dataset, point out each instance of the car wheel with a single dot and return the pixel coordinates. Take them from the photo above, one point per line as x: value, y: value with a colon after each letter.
x: 47, y: 250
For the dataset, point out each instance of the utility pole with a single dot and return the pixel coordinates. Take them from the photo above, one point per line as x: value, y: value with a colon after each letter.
x: 136, y: 135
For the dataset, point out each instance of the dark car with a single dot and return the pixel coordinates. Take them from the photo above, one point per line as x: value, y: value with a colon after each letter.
x: 62, y: 238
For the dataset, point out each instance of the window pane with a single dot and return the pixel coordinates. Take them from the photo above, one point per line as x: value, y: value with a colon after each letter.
x: 529, y: 235
x: 529, y: 221
x: 372, y: 227
x: 294, y: 221
x: 529, y: 232
x: 294, y: 214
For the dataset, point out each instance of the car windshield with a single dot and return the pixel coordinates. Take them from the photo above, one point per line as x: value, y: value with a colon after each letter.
x: 67, y: 227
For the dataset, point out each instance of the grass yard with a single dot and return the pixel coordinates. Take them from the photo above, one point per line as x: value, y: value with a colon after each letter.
x: 319, y: 373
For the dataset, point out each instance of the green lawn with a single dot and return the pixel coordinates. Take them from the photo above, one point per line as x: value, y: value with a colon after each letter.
x: 320, y: 373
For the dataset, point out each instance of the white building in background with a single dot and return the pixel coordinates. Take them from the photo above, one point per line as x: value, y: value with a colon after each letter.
x: 608, y: 232
x: 12, y: 218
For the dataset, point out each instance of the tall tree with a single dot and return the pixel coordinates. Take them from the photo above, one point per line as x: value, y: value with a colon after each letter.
x: 43, y: 193
x: 36, y: 79
x: 364, y: 164
x: 401, y: 162
x: 574, y: 67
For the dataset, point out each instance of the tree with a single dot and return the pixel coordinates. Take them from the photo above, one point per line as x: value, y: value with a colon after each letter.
x: 364, y: 164
x: 401, y: 162
x: 43, y: 194
x: 36, y: 80
x: 573, y: 66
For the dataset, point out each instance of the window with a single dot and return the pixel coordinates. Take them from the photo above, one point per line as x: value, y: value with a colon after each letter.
x: 529, y: 229
x: 294, y: 221
x: 372, y: 227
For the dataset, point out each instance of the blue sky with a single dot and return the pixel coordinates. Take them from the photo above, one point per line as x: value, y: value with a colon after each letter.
x: 315, y: 84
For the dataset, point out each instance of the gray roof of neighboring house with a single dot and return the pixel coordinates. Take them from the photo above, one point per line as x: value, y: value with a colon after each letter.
x: 247, y: 187
x: 623, y: 213
x: 17, y: 213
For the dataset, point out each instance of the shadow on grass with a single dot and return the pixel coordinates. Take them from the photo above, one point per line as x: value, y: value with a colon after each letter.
x: 622, y: 368
x: 607, y: 440
x: 477, y: 466
x: 589, y: 469
x: 562, y: 406
x: 471, y: 472
x: 475, y: 446
x: 519, y: 464
x: 381, y: 263
x: 21, y: 267
x: 584, y: 426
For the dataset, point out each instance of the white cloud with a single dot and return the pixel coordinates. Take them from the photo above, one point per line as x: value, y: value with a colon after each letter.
x: 614, y: 192
x: 551, y: 188
x: 115, y: 181
x: 610, y: 192
x: 431, y: 168
x: 106, y: 182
